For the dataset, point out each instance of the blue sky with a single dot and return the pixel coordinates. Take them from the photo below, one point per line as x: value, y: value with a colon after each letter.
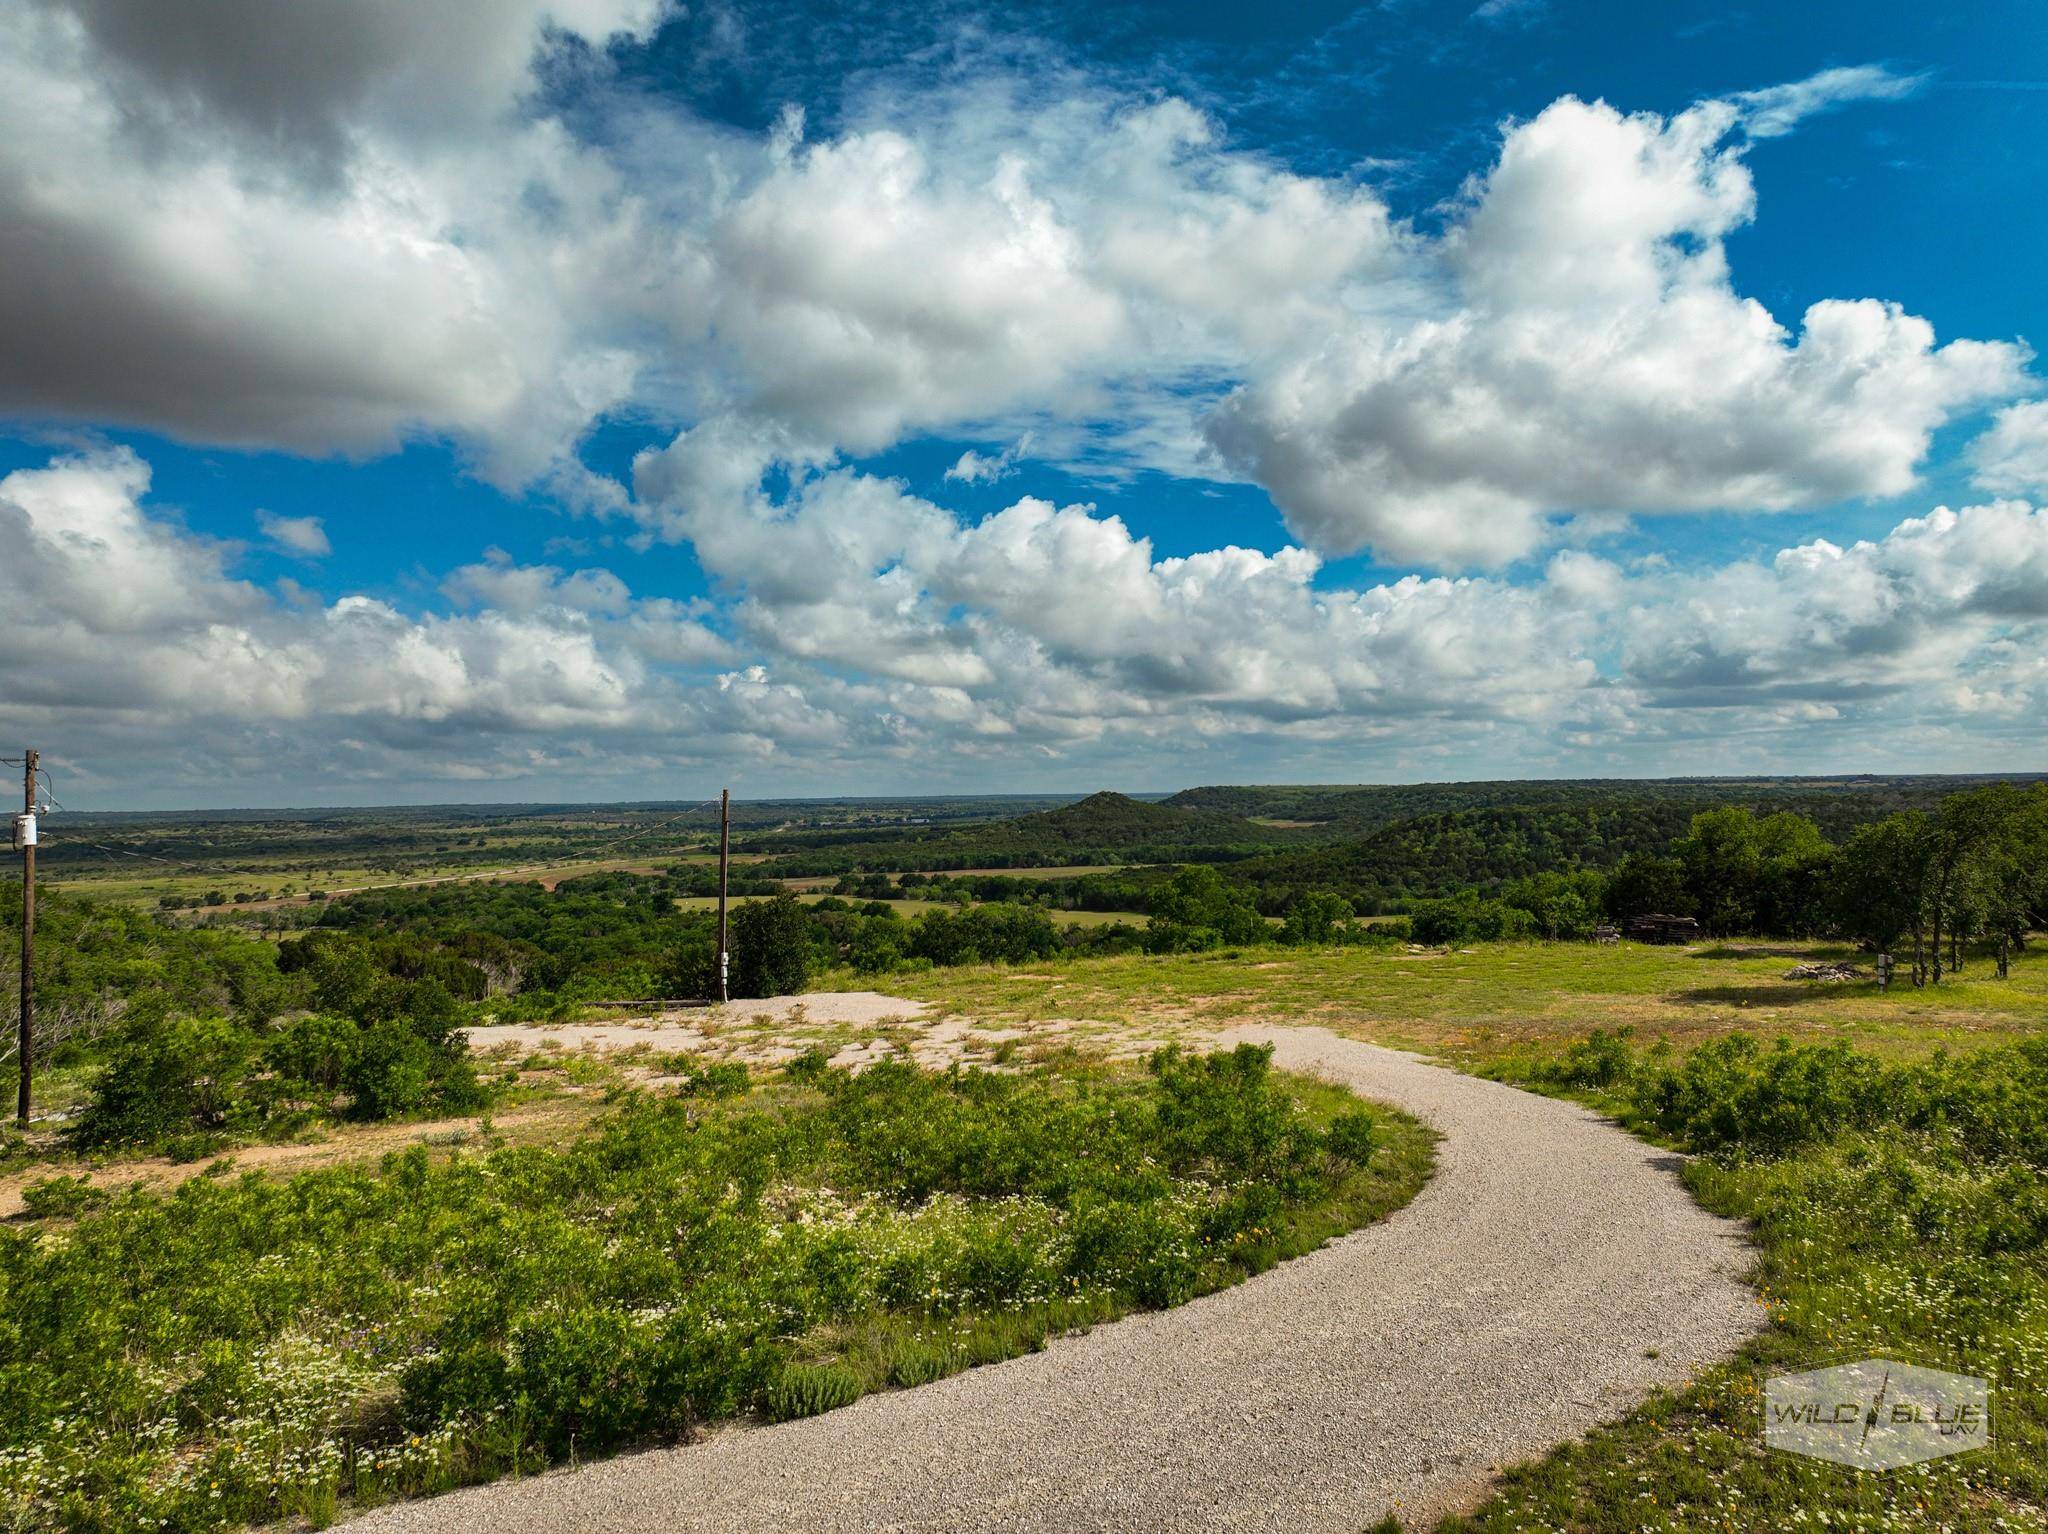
x: 327, y: 371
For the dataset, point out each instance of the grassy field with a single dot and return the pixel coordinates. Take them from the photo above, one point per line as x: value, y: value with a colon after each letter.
x: 1476, y: 1004
x: 286, y: 887
x: 1890, y: 1164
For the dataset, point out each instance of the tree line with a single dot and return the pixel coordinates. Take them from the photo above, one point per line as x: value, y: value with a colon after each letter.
x: 1973, y: 870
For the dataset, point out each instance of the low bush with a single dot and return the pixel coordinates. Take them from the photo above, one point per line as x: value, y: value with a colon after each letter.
x: 805, y: 1390
x: 57, y: 1197
x: 718, y: 1078
x: 1601, y: 1060
x: 1738, y: 1094
x: 1734, y: 1093
x: 192, y: 1086
x: 1466, y: 918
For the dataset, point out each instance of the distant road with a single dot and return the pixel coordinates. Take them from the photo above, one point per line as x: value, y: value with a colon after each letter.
x: 1549, y: 1277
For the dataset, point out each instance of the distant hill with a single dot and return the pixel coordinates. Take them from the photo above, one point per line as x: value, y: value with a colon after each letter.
x: 1428, y: 855
x: 1343, y: 811
x: 1386, y: 842
x: 1116, y: 820
x: 1102, y: 828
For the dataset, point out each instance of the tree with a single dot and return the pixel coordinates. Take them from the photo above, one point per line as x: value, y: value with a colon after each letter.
x: 1465, y: 918
x: 1196, y: 910
x: 394, y: 1071
x: 1561, y: 905
x: 2011, y: 884
x: 1795, y: 874
x: 771, y: 947
x: 689, y: 967
x: 1646, y: 885
x: 1967, y: 826
x: 1723, y: 860
x: 992, y: 933
x: 315, y: 1053
x: 1881, y: 882
x: 1313, y: 917
x: 877, y: 945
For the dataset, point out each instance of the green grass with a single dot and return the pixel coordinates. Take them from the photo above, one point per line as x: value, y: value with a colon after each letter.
x: 1474, y: 1005
x: 292, y: 882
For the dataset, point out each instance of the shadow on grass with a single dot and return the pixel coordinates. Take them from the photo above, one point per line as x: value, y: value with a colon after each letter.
x: 1780, y: 994
x: 1825, y: 953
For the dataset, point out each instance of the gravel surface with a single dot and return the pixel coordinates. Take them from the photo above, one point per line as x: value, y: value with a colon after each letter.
x: 1514, y: 1303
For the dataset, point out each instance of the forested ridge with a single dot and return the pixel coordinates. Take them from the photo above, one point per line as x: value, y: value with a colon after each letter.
x: 1103, y: 828
x: 1428, y: 856
x: 1836, y: 804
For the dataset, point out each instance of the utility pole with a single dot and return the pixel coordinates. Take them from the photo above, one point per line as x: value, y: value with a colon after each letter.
x: 724, y: 865
x: 27, y: 838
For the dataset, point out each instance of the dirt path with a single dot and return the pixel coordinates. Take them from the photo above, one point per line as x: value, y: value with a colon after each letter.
x: 1518, y: 1300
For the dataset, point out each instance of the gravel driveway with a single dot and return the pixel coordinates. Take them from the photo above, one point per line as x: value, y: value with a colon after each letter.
x: 1512, y: 1304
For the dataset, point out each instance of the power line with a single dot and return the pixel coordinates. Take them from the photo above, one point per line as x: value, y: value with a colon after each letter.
x: 650, y: 830
x: 150, y: 857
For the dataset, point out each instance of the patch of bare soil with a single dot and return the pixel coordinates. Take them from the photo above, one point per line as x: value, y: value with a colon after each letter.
x: 540, y: 1123
x: 860, y: 1025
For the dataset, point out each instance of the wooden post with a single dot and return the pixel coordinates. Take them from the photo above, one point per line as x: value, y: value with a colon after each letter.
x: 724, y: 865
x: 27, y: 1034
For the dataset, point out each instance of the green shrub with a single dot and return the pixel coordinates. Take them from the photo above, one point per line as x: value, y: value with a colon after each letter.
x: 690, y: 967
x: 166, y: 1077
x: 809, y: 1068
x: 1600, y: 1060
x: 1353, y: 1135
x: 1220, y: 1110
x: 1739, y: 1095
x: 1465, y: 918
x: 999, y: 933
x: 392, y: 1072
x: 1734, y: 1094
x: 396, y: 1072
x: 917, y: 1361
x: 771, y: 947
x: 316, y: 1053
x: 1196, y: 912
x: 1313, y: 917
x: 718, y: 1078
x: 59, y: 1197
x: 805, y: 1390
